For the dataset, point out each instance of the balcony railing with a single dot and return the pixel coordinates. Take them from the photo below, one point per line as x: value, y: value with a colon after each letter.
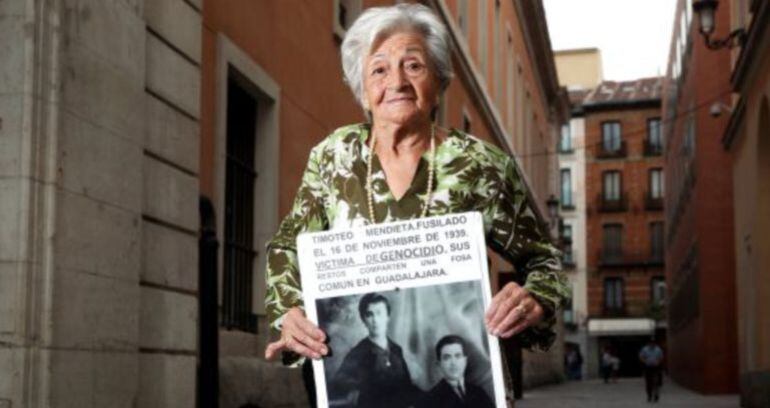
x: 615, y: 257
x: 565, y: 150
x: 619, y: 311
x: 652, y: 149
x: 611, y: 257
x: 604, y: 153
x: 652, y: 203
x: 606, y: 204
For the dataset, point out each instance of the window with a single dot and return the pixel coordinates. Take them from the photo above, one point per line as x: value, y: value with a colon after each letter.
x: 240, y: 176
x: 611, y: 186
x: 658, y: 291
x: 654, y: 137
x: 482, y: 25
x: 612, y: 243
x: 611, y: 138
x: 462, y: 16
x: 345, y: 13
x: 656, y: 241
x: 565, y: 141
x: 566, y: 188
x: 496, y: 52
x: 569, y: 313
x: 466, y: 122
x: 566, y: 234
x: 656, y: 183
x: 613, y: 294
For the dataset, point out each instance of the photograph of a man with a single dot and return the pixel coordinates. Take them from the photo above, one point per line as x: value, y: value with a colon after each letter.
x: 374, y: 373
x: 453, y: 391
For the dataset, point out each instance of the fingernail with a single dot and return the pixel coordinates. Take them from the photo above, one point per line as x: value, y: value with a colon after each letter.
x: 324, y: 350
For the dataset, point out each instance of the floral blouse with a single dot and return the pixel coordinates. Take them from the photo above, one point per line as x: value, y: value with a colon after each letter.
x: 470, y: 175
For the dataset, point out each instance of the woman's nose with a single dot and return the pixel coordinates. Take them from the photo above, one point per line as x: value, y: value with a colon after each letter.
x: 397, y: 79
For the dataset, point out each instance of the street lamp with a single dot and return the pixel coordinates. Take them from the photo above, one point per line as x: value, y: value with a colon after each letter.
x: 706, y: 10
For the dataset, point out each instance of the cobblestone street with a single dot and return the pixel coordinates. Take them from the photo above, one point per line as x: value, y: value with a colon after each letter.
x: 628, y: 392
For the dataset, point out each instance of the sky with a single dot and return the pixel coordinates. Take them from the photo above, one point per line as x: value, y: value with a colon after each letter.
x: 633, y: 35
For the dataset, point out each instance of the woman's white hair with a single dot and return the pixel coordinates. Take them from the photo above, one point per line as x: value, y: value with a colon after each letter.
x: 376, y: 22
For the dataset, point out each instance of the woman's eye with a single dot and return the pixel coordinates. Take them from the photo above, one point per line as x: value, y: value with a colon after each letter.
x: 414, y: 66
x: 378, y: 71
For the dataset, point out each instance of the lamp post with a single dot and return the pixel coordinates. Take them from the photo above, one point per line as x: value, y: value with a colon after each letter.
x: 706, y: 11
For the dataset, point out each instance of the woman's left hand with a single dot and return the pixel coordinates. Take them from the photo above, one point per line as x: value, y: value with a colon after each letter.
x: 512, y: 310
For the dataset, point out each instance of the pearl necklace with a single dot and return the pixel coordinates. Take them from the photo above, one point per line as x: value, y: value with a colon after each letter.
x: 431, y: 170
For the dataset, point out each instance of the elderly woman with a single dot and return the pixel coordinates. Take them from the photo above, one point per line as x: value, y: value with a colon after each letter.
x: 401, y: 166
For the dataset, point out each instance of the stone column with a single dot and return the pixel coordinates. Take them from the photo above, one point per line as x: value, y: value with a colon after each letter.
x: 98, y: 202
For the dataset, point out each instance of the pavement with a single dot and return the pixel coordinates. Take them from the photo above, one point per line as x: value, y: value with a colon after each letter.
x: 627, y: 392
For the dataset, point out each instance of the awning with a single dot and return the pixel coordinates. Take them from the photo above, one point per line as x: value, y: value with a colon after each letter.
x: 621, y: 327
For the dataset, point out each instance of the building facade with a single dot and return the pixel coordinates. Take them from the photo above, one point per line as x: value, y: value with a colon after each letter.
x: 100, y: 108
x: 747, y: 139
x: 580, y: 71
x: 700, y: 248
x: 580, y: 68
x: 624, y: 221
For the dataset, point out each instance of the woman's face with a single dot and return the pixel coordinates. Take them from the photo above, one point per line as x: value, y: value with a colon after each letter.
x: 400, y: 86
x: 376, y: 319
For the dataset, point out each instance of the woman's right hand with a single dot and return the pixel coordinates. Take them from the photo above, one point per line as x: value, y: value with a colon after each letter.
x: 299, y: 335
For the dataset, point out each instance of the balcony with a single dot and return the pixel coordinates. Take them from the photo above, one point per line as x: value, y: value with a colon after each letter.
x: 653, y: 203
x: 611, y: 257
x: 617, y: 258
x: 604, y: 153
x: 652, y: 149
x: 612, y: 205
x: 620, y: 311
x: 568, y: 261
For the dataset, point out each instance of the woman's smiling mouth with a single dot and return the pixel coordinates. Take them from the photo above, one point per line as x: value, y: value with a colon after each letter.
x: 400, y: 99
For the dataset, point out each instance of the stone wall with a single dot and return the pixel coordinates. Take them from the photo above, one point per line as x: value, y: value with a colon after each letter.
x: 98, y: 173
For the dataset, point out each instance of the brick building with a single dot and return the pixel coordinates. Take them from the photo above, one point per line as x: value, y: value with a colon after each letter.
x: 624, y: 221
x: 747, y: 140
x: 700, y: 248
x: 580, y: 71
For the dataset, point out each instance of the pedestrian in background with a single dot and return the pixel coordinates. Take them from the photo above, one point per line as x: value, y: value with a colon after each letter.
x: 651, y: 357
x: 615, y: 364
x: 607, y: 360
x: 573, y: 363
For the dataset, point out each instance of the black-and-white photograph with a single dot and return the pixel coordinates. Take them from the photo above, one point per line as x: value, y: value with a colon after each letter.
x: 414, y: 347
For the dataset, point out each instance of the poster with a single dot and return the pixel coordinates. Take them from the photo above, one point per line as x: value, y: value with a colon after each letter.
x: 403, y: 305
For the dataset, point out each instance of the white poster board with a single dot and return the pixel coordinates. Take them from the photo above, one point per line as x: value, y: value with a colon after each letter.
x: 429, y: 278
